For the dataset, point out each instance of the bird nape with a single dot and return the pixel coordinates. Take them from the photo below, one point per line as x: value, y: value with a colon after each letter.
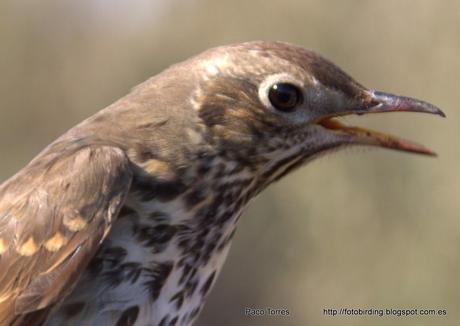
x: 127, y: 218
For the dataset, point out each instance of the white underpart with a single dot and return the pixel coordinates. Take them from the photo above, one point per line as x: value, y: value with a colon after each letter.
x: 108, y: 303
x: 105, y: 304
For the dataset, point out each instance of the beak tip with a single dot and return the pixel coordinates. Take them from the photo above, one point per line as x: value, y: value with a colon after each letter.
x: 427, y: 152
x: 441, y: 113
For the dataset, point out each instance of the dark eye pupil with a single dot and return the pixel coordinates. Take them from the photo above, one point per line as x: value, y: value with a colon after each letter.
x: 284, y: 96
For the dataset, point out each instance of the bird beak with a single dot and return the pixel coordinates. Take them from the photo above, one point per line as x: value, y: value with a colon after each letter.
x: 379, y: 102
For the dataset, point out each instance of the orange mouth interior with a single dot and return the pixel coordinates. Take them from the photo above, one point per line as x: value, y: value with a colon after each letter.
x: 371, y: 137
x: 332, y: 123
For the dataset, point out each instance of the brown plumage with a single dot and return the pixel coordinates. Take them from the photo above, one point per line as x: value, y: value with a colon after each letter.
x: 127, y: 217
x: 53, y: 220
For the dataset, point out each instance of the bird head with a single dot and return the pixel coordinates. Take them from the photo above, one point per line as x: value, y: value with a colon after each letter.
x: 277, y: 104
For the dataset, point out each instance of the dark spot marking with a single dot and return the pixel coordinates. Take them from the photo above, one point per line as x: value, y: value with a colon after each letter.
x: 213, y: 114
x: 193, y: 272
x: 181, y: 262
x: 113, y: 255
x: 95, y: 266
x: 207, y: 252
x: 194, y: 197
x: 127, y: 272
x: 238, y: 168
x: 205, y: 160
x: 163, y: 321
x: 185, y: 272
x: 155, y: 236
x: 190, y: 288
x: 128, y: 317
x: 207, y: 285
x: 184, y: 243
x: 194, y: 313
x: 226, y: 241
x: 179, y: 298
x: 279, y: 165
x: 151, y: 188
x: 207, y: 214
x: 221, y: 171
x: 204, y: 232
x: 73, y: 309
x: 290, y: 168
x: 227, y: 215
x: 173, y: 321
x: 159, y: 216
x: 125, y: 211
x: 184, y: 319
x: 110, y: 256
x: 203, y: 169
x: 158, y: 276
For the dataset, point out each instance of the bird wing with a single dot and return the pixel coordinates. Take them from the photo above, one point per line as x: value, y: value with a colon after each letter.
x: 53, y: 217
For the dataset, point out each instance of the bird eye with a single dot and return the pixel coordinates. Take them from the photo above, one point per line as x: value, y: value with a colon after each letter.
x: 284, y: 97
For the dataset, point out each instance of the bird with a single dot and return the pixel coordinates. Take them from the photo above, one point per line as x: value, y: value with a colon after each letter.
x: 127, y: 218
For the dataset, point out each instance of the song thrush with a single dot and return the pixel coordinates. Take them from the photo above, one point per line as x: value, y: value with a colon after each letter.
x: 127, y: 218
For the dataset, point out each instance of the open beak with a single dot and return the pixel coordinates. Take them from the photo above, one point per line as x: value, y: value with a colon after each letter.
x: 382, y: 102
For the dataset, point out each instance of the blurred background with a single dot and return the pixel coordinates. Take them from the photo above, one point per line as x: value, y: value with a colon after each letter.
x: 362, y: 228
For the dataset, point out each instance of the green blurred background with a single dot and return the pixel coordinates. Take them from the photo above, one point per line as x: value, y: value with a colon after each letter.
x: 362, y: 228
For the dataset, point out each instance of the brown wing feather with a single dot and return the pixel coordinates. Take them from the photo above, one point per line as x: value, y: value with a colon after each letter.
x: 53, y: 217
